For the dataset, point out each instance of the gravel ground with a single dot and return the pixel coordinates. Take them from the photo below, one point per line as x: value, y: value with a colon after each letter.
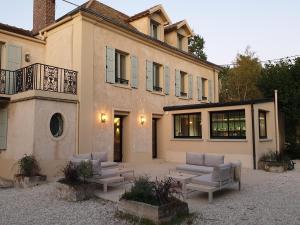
x: 265, y: 198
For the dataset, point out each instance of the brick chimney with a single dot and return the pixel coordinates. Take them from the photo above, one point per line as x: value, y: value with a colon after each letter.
x: 43, y: 14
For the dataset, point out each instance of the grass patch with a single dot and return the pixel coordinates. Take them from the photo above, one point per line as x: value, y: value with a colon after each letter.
x: 141, y: 221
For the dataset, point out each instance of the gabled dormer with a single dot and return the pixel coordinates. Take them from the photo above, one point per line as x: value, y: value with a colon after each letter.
x: 151, y: 22
x: 177, y: 35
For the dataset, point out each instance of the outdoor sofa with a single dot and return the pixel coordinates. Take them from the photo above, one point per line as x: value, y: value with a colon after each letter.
x: 213, y: 173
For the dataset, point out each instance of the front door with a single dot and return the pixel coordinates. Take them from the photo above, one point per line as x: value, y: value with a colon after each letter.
x: 118, y: 133
x: 154, y: 138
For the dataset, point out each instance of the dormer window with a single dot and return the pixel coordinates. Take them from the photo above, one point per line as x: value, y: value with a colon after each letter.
x: 180, y: 41
x: 154, y: 29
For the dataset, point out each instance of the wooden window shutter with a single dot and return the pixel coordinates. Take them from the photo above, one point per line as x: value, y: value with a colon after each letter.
x: 110, y: 65
x: 167, y: 79
x: 134, y: 72
x: 199, y: 88
x: 3, y: 127
x: 210, y: 91
x: 190, y: 92
x: 177, y: 83
x: 149, y: 75
x: 14, y: 57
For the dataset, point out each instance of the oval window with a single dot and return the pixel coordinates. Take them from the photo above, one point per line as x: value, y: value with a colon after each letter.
x: 56, y: 125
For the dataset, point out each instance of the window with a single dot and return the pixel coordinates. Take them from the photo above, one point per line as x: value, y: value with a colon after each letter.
x: 180, y: 41
x: 187, y: 126
x: 262, y: 120
x: 120, y: 68
x: 228, y: 124
x: 154, y: 26
x: 56, y: 125
x: 157, y: 86
x: 204, y: 88
x: 183, y: 84
x: 1, y: 45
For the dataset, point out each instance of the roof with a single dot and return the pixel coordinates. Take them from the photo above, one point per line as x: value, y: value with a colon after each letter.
x: 16, y: 30
x: 215, y: 105
x: 118, y: 18
x: 141, y: 14
x: 177, y: 26
x: 173, y: 26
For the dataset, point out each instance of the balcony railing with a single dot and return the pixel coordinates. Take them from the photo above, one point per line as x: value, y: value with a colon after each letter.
x: 156, y: 88
x: 38, y: 77
x: 121, y: 81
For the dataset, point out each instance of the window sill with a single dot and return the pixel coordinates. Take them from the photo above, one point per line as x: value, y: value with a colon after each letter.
x: 187, y: 139
x: 265, y: 140
x: 158, y: 93
x: 184, y: 98
x: 227, y: 140
x: 122, y: 86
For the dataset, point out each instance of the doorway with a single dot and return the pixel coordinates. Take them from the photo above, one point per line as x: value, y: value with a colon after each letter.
x: 118, y: 139
x: 154, y: 138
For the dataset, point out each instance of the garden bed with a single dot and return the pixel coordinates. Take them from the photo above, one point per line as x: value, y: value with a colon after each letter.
x: 22, y: 181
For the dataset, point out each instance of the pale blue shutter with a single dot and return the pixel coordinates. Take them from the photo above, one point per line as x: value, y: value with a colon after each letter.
x: 149, y: 76
x: 3, y: 127
x: 190, y: 92
x: 167, y: 79
x: 134, y: 72
x: 110, y: 65
x: 210, y: 91
x: 177, y: 83
x: 14, y: 57
x: 199, y: 88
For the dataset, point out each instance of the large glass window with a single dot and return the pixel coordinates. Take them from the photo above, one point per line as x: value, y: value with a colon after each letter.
x: 120, y: 68
x: 228, y: 124
x: 262, y: 120
x: 183, y: 84
x: 187, y: 126
x: 154, y: 26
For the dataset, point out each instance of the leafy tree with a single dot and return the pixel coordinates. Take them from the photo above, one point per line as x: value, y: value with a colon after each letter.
x: 240, y: 82
x: 284, y: 76
x: 196, y: 46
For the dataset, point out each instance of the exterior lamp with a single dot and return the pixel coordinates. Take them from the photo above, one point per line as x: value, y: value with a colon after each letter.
x: 142, y: 120
x: 103, y: 117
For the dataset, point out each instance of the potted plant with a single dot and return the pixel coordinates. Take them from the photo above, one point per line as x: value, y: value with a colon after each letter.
x: 29, y: 172
x: 73, y: 186
x: 153, y: 201
x: 274, y: 162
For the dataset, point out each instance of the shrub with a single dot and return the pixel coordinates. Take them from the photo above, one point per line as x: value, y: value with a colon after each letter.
x: 85, y: 170
x: 29, y: 166
x: 155, y: 193
x: 70, y: 174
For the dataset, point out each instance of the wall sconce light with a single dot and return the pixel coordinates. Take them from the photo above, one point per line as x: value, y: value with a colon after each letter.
x: 103, y: 117
x: 142, y: 120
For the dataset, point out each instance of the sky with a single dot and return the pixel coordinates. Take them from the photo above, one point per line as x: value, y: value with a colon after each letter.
x: 270, y: 27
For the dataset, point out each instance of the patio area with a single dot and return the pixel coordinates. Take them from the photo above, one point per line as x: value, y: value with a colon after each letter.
x: 265, y: 198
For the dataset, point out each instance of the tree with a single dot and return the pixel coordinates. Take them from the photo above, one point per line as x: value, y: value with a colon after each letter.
x: 196, y: 46
x: 239, y: 83
x: 284, y: 76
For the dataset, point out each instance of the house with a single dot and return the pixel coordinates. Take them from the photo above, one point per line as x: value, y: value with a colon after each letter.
x: 99, y: 80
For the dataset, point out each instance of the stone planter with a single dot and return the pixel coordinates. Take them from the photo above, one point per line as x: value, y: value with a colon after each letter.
x: 157, y: 214
x: 274, y: 167
x: 22, y: 181
x: 74, y: 193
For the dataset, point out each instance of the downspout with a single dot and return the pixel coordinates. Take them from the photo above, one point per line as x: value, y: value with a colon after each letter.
x: 276, y: 122
x: 253, y: 137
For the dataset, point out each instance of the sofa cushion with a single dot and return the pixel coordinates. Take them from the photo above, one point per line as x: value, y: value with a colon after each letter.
x: 96, y: 164
x: 106, y: 165
x: 87, y: 156
x: 109, y: 173
x: 102, y: 156
x: 213, y: 160
x: 193, y: 158
x: 205, y: 180
x: 222, y: 172
x: 195, y: 169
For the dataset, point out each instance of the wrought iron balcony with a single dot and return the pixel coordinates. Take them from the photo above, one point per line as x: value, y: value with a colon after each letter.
x: 38, y: 77
x: 156, y: 88
x: 183, y: 94
x: 121, y: 81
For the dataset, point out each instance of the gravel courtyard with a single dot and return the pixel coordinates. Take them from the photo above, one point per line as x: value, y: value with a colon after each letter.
x: 265, y: 198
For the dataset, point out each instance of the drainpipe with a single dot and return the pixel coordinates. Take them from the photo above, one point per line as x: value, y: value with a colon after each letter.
x: 276, y: 121
x: 253, y: 137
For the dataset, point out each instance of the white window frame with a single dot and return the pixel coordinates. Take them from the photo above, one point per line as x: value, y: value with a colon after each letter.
x: 120, y: 73
x: 154, y: 24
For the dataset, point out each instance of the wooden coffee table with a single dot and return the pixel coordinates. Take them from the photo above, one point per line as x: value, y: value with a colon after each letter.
x: 183, y: 178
